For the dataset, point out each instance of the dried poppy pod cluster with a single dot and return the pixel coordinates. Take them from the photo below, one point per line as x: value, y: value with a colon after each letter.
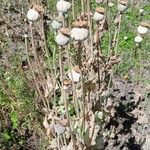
x: 80, y: 30
x: 122, y: 5
x: 99, y: 14
x: 63, y: 36
x: 142, y: 29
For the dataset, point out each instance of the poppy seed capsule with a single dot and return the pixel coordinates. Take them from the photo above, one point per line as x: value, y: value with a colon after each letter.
x: 138, y: 39
x: 56, y: 25
x: 62, y: 38
x: 143, y: 27
x: 122, y: 5
x: 141, y: 11
x: 74, y: 76
x: 99, y: 14
x: 63, y: 6
x: 32, y: 14
x: 110, y: 4
x: 80, y: 31
x: 99, y: 1
x: 79, y: 34
x: 142, y: 30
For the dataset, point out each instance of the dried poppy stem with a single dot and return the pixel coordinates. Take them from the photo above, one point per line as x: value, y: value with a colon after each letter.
x: 73, y: 13
x: 82, y: 5
x: 64, y: 95
x: 132, y: 3
x: 38, y: 66
x: 82, y: 86
x: 118, y: 32
x: 107, y: 2
x: 110, y: 34
x: 73, y: 85
x: 98, y: 49
x: 55, y: 74
x: 47, y: 55
x: 37, y: 86
x: 90, y: 29
x: 140, y: 65
x: 46, y: 49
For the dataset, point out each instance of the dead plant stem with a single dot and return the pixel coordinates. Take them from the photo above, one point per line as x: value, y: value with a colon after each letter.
x: 36, y: 83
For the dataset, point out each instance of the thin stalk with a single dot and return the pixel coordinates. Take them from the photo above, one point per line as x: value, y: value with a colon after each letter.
x: 82, y: 5
x: 55, y: 76
x: 38, y: 66
x: 73, y: 85
x: 82, y: 86
x: 64, y: 95
x: 90, y: 29
x: 58, y: 142
x: 107, y: 2
x: 132, y: 3
x: 47, y: 55
x: 117, y: 40
x: 110, y: 34
x: 46, y: 49
x: 98, y: 49
x: 36, y: 83
x: 64, y: 138
x: 73, y: 13
x: 140, y: 65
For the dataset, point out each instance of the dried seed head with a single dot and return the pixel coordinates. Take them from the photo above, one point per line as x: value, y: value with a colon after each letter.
x: 98, y: 16
x: 80, y: 24
x: 32, y: 14
x: 79, y: 34
x: 38, y: 8
x: 59, y: 18
x: 84, y: 15
x: 113, y: 58
x: 145, y: 24
x: 142, y: 30
x: 110, y: 4
x: 67, y: 82
x: 65, y: 31
x: 56, y: 25
x: 61, y: 39
x: 77, y: 69
x: 121, y: 7
x: 63, y: 6
x: 100, y: 10
x: 99, y: 1
x: 123, y: 2
x: 141, y: 11
x: 73, y: 75
x: 138, y: 39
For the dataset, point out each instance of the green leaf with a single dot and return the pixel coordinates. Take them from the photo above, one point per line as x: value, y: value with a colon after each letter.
x: 6, y: 135
x: 14, y: 119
